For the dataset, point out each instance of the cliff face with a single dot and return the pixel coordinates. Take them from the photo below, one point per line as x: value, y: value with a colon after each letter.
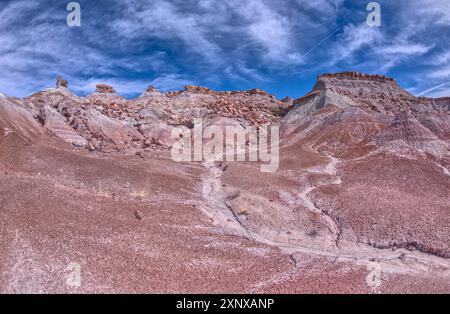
x: 376, y: 92
x: 359, y: 84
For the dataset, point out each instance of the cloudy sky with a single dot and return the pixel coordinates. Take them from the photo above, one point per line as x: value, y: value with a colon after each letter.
x: 277, y: 45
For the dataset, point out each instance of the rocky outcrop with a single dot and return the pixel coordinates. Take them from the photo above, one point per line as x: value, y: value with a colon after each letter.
x: 196, y: 89
x: 257, y: 91
x: 105, y: 89
x: 256, y: 106
x: 357, y: 76
x: 60, y: 82
x: 53, y: 121
x: 151, y: 89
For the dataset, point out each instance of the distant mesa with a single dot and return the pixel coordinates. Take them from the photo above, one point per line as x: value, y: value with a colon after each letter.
x: 105, y: 89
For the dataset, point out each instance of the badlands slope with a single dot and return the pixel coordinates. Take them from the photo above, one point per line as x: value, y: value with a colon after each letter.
x: 364, y: 179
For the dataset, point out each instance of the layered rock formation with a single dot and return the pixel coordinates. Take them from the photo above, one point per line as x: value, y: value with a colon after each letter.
x: 405, y: 129
x: 364, y: 177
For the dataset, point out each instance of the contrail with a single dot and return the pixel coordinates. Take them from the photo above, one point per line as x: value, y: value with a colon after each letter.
x: 433, y: 88
x: 320, y: 42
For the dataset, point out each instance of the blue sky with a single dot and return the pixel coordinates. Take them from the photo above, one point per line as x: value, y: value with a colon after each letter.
x: 277, y: 45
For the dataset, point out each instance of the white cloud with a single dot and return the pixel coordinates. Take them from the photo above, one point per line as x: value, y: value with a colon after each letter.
x: 269, y: 29
x: 391, y: 55
x: 241, y: 72
x: 403, y: 49
x: 439, y: 66
x: 166, y: 21
x: 32, y: 54
x: 441, y: 73
x: 325, y: 7
x: 218, y: 31
x: 132, y: 87
x: 369, y: 46
x: 171, y: 82
x: 208, y: 37
x: 430, y: 11
x: 212, y: 41
x: 442, y: 58
x: 354, y: 39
